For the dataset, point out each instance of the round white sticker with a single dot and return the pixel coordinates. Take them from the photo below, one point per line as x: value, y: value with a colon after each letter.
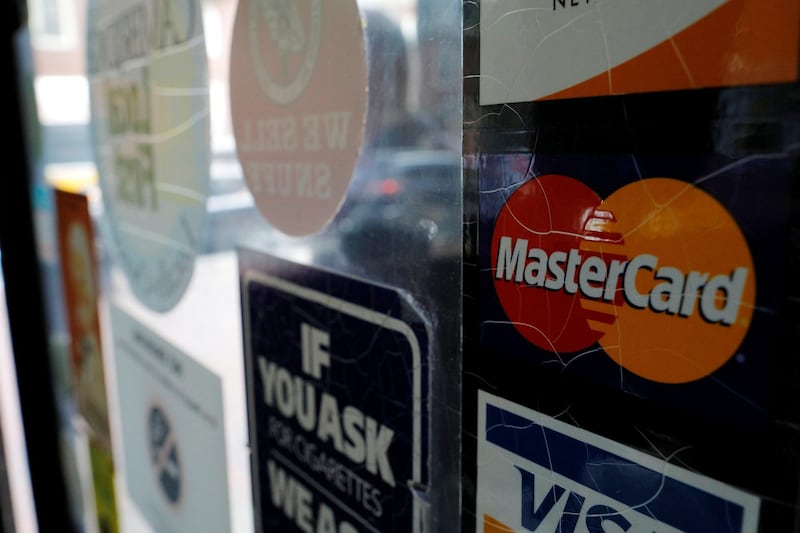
x: 298, y: 101
x: 148, y: 79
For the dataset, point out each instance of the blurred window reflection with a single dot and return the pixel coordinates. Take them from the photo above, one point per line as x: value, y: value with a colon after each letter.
x: 52, y: 23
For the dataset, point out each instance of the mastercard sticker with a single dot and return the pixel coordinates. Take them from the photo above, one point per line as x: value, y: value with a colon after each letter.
x: 659, y: 284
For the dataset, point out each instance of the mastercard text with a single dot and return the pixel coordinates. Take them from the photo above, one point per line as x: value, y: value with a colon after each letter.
x: 674, y: 291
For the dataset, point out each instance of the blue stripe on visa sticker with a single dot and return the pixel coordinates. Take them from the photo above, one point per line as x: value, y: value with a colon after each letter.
x: 536, y: 473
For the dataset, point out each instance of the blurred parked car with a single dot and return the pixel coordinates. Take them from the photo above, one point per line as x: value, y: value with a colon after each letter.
x: 233, y: 217
x: 404, y: 202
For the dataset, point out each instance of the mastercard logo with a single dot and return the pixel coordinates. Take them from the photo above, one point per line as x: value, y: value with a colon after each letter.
x: 658, y: 274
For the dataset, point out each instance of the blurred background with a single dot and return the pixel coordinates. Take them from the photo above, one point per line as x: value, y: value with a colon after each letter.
x: 400, y: 224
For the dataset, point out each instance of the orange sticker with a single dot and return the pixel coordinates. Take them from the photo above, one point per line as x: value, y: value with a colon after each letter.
x: 741, y: 43
x: 549, y: 49
x: 81, y: 293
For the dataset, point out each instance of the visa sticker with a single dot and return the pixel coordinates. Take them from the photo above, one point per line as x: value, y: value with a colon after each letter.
x: 536, y: 473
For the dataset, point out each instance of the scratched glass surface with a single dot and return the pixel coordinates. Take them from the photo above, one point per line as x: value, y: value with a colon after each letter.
x: 371, y: 350
x: 736, y: 144
x: 400, y: 222
x: 739, y: 386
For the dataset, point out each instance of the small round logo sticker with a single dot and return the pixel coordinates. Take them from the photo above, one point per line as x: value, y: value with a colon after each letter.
x: 164, y: 455
x: 658, y: 274
x: 148, y: 80
x: 298, y: 102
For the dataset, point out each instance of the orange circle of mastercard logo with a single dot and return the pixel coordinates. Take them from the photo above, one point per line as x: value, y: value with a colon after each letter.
x: 658, y: 274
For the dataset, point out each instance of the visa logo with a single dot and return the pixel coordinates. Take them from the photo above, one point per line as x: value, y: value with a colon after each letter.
x: 560, y: 510
x: 538, y: 474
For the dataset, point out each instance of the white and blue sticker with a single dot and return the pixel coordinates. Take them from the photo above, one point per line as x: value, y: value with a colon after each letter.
x: 536, y: 473
x: 172, y: 430
x: 337, y: 402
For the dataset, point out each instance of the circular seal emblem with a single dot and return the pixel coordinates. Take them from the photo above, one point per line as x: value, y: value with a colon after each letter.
x: 148, y: 82
x: 284, y: 76
x: 298, y: 80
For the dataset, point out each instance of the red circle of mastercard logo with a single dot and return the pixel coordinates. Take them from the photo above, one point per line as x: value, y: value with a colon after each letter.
x: 659, y: 274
